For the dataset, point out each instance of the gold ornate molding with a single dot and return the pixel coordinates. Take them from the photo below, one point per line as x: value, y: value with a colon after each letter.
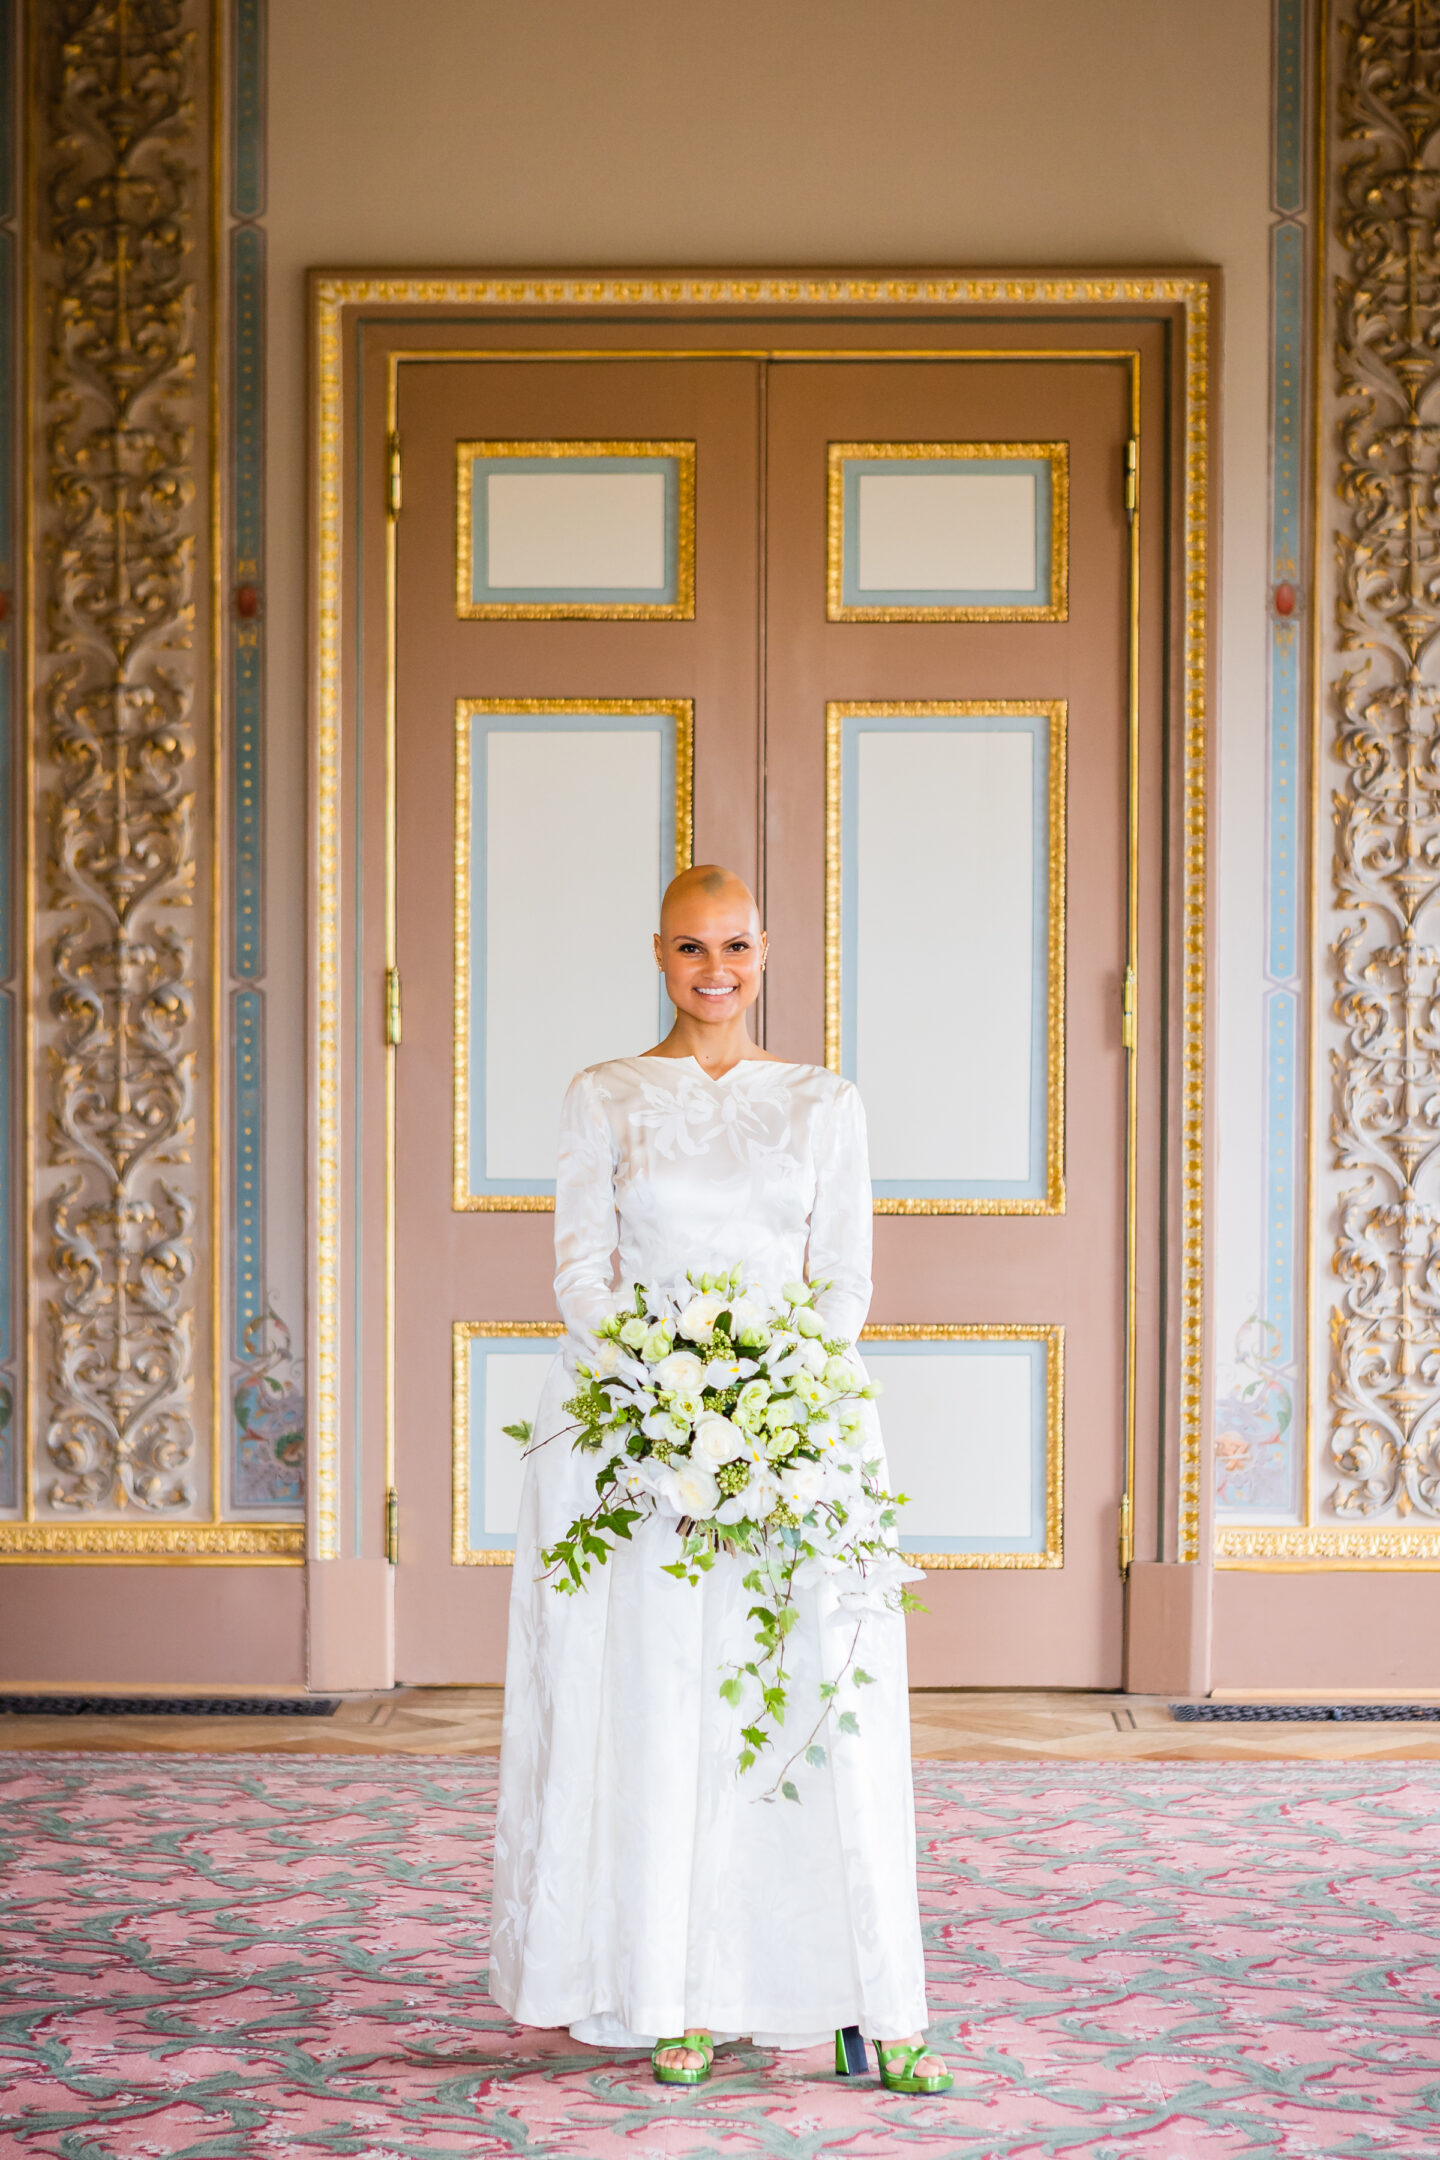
x: 120, y: 495
x: 154, y: 1544
x: 1382, y: 1457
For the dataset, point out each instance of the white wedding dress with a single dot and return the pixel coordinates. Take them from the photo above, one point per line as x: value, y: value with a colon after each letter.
x: 641, y: 1886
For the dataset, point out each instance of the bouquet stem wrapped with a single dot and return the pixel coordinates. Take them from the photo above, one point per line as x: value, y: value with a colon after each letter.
x: 735, y: 1415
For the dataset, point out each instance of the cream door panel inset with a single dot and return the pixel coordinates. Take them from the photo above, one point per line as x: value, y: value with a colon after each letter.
x: 973, y: 1424
x: 570, y: 821
x: 938, y: 532
x: 548, y: 530
x: 946, y: 929
x: 948, y: 532
x: 498, y: 1369
x: 557, y: 530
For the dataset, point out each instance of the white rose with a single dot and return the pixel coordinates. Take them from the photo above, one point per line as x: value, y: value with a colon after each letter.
x: 679, y: 1373
x: 717, y: 1441
x: 694, y: 1489
x: 697, y: 1320
x: 634, y: 1332
x: 801, y: 1485
x: 658, y: 1344
x: 721, y: 1372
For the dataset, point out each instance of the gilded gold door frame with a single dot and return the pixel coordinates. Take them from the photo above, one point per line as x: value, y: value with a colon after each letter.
x: 332, y: 295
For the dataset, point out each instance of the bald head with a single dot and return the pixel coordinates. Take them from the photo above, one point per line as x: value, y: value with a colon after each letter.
x: 708, y: 890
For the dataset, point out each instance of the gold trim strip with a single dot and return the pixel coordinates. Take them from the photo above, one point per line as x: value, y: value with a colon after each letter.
x: 680, y: 609
x: 1053, y: 1337
x: 462, y: 1334
x: 1195, y: 552
x: 1055, y: 454
x: 333, y: 292
x: 836, y: 712
x: 682, y: 712
x: 152, y: 1544
x: 1248, y: 1546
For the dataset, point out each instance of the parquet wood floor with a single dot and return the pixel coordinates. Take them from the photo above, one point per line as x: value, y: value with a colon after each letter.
x: 966, y: 1725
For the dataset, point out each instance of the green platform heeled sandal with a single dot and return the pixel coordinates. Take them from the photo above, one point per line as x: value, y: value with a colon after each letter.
x: 697, y: 2044
x: 904, y: 2080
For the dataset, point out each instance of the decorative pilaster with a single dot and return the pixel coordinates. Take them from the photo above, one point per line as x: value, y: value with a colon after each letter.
x: 1383, y: 1453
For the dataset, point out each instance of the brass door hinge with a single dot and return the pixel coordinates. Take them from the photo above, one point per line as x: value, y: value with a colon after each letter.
x: 392, y: 1007
x: 1127, y: 1541
x: 392, y: 1525
x: 1127, y: 1010
x: 392, y: 486
x: 1132, y: 475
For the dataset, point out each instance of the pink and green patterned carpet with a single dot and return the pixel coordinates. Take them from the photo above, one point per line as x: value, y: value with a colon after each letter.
x: 217, y: 1956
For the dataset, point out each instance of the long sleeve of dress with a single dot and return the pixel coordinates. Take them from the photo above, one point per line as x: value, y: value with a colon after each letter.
x: 841, y: 1219
x: 586, y: 1228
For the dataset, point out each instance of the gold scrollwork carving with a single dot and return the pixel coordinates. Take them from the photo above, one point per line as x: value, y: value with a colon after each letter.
x: 1384, y: 1445
x: 117, y: 206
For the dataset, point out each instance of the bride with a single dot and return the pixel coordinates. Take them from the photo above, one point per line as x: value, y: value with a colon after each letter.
x: 642, y: 1888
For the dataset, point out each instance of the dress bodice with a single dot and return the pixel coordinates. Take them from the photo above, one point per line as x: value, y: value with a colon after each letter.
x: 664, y: 1170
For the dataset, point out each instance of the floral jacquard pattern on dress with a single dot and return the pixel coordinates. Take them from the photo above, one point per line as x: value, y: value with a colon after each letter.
x: 640, y: 1885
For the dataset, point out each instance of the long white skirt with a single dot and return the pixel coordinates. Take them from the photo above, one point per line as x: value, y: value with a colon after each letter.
x: 641, y: 1886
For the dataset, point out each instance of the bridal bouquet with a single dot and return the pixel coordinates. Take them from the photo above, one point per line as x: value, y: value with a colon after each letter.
x: 736, y: 1415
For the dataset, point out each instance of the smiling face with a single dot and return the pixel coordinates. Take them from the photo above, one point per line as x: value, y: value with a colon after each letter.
x: 710, y: 945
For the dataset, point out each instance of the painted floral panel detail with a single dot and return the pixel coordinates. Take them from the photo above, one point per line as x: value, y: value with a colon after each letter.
x: 269, y: 1404
x: 1254, y: 1457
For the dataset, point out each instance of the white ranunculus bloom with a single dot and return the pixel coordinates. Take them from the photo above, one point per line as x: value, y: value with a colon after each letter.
x: 751, y: 1401
x: 697, y: 1319
x: 784, y: 1442
x: 658, y: 1344
x: 786, y: 1412
x: 681, y: 1372
x: 718, y: 1440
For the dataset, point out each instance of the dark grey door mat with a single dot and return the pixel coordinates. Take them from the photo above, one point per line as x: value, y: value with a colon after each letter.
x: 1285, y: 1713
x: 168, y: 1705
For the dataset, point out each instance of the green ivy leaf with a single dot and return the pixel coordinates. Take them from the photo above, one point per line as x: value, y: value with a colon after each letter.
x: 520, y: 1432
x: 849, y: 1722
x: 731, y: 1691
x: 815, y: 1756
x: 862, y: 1678
x: 789, y: 1790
